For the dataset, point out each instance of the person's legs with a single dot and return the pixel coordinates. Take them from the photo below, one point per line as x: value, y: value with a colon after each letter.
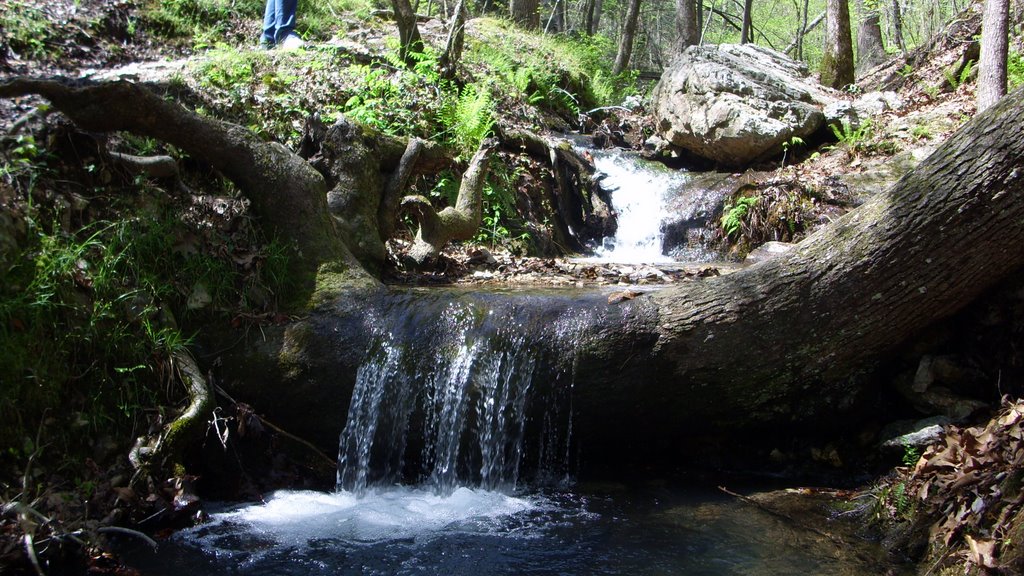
x: 285, y: 19
x: 269, y: 37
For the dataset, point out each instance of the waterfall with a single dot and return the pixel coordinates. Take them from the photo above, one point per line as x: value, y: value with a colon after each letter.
x: 639, y: 192
x: 460, y: 390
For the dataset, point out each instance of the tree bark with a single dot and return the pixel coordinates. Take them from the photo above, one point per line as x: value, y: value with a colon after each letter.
x: 870, y: 48
x: 745, y: 30
x: 686, y: 24
x: 837, y: 62
x: 408, y: 31
x: 992, y: 67
x: 525, y: 13
x: 626, y: 41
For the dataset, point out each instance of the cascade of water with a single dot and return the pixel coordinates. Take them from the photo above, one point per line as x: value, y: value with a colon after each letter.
x: 450, y: 388
x: 638, y: 191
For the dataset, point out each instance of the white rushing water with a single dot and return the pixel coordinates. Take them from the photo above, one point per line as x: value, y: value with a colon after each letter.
x: 299, y: 519
x: 638, y: 192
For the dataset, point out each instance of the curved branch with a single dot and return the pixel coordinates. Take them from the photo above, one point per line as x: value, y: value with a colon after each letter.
x: 453, y: 223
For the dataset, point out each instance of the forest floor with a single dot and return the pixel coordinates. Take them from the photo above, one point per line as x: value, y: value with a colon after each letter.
x: 91, y: 37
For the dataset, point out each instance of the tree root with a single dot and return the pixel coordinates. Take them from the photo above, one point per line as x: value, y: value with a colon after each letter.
x: 453, y: 223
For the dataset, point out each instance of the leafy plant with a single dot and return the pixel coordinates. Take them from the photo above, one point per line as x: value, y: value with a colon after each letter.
x: 793, y: 142
x: 734, y: 213
x: 468, y: 117
x: 1015, y: 69
x: 954, y: 80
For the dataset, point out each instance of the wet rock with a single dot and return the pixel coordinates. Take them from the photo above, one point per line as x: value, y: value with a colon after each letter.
x: 735, y: 104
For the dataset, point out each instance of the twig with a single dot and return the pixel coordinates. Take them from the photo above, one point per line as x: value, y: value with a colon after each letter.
x: 129, y: 532
x: 782, y: 515
x: 30, y: 549
x: 327, y: 459
x: 623, y: 108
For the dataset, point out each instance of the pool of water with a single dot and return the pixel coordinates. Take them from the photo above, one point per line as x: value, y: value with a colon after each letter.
x: 606, y: 529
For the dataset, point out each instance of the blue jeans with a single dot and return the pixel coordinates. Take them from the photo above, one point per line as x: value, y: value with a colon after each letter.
x: 278, y: 20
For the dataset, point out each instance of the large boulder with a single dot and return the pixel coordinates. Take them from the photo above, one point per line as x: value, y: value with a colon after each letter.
x: 736, y: 104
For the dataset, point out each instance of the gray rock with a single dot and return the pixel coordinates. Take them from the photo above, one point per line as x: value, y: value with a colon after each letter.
x: 735, y: 104
x: 768, y: 250
x: 919, y: 434
x: 854, y: 114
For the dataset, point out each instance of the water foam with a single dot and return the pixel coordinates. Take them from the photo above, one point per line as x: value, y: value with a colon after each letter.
x: 303, y: 519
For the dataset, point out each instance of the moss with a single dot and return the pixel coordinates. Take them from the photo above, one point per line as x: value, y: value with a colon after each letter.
x: 292, y: 356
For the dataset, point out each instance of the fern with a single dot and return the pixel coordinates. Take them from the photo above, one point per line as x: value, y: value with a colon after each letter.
x: 733, y: 214
x: 468, y: 118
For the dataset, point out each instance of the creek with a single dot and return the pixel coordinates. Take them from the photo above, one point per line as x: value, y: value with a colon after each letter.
x: 460, y: 454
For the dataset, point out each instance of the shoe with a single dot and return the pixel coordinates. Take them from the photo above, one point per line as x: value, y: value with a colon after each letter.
x: 292, y: 42
x: 264, y: 45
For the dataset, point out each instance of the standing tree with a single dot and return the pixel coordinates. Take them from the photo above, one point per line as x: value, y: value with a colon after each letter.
x: 745, y: 31
x: 408, y: 33
x: 686, y: 23
x: 897, y: 25
x: 524, y: 13
x: 992, y: 67
x: 837, y: 62
x: 870, y: 48
x: 592, y: 16
x: 626, y: 41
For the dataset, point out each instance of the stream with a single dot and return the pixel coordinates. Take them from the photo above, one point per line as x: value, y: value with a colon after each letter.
x: 458, y: 457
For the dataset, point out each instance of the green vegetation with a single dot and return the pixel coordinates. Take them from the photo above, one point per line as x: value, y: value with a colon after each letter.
x: 734, y: 213
x: 1015, y: 69
x: 89, y: 310
x: 27, y: 31
x: 207, y: 23
x: 956, y: 80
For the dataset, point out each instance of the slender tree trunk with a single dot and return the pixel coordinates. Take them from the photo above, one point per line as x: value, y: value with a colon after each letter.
x: 456, y: 36
x: 408, y: 32
x: 870, y: 48
x: 686, y: 24
x: 628, y: 33
x: 745, y: 31
x: 992, y: 67
x: 524, y: 13
x: 897, y: 26
x: 837, y: 62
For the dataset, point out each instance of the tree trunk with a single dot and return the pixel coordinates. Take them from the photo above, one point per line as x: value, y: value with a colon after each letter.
x: 837, y: 62
x: 626, y: 41
x: 783, y: 345
x: 524, y: 13
x: 897, y: 26
x: 456, y: 39
x: 686, y: 24
x: 870, y: 49
x: 992, y: 67
x: 408, y: 33
x: 745, y: 30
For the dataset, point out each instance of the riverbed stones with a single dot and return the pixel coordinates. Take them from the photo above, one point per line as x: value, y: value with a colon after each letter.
x: 736, y: 104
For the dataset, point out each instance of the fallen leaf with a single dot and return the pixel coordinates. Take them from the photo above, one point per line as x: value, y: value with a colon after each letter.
x: 982, y: 552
